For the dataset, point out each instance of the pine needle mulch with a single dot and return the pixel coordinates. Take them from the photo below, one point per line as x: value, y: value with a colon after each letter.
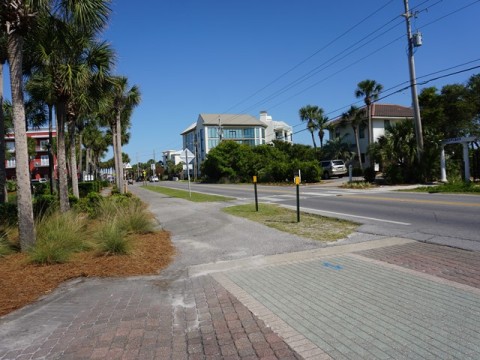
x: 22, y: 283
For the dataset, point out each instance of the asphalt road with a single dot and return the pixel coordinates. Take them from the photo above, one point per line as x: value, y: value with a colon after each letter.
x: 449, y: 219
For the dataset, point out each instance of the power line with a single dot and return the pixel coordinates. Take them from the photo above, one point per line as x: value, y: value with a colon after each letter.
x: 379, y: 49
x: 324, y: 64
x: 419, y: 83
x: 312, y: 55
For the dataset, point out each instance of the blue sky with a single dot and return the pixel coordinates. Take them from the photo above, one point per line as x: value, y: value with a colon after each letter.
x: 242, y: 56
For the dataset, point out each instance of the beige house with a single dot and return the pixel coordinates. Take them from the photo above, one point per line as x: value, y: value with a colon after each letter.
x: 383, y: 115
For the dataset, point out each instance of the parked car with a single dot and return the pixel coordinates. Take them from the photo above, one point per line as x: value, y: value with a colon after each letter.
x: 333, y: 168
x: 154, y: 178
x: 130, y: 181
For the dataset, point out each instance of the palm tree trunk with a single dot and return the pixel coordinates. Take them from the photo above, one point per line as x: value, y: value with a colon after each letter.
x: 73, y: 159
x: 115, y: 153
x: 26, y: 226
x: 370, y: 130
x: 314, y: 143
x: 357, y: 142
x: 87, y: 161
x: 62, y: 158
x: 119, y: 154
x: 80, y: 155
x: 50, y: 150
x: 3, y: 172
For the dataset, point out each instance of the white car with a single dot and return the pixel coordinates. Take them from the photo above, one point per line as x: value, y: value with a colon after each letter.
x: 154, y: 178
x: 333, y: 168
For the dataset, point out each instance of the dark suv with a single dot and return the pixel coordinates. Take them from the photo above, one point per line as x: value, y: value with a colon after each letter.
x: 333, y: 168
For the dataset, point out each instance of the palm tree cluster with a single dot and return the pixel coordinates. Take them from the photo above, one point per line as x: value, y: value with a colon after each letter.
x: 316, y: 120
x: 57, y: 61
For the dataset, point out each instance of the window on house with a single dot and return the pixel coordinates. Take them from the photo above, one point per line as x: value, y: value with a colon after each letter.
x: 10, y: 146
x: 386, y: 124
x: 44, y: 160
x: 43, y: 145
x: 212, y: 132
x: 361, y: 132
x: 249, y: 133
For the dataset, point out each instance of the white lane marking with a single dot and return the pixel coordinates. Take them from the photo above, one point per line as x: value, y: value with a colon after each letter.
x: 319, y: 212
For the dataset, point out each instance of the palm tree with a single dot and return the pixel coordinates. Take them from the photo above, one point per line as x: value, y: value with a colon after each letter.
x: 321, y: 125
x: 311, y: 114
x: 337, y: 148
x: 124, y: 100
x: 3, y: 173
x: 63, y: 54
x: 96, y: 146
x: 40, y: 88
x: 354, y: 116
x: 16, y: 16
x: 369, y: 90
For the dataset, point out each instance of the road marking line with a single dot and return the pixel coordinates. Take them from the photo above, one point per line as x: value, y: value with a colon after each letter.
x: 436, y: 202
x: 320, y: 212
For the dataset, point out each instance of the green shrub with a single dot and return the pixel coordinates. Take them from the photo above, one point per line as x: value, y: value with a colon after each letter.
x: 39, y: 189
x: 8, y: 214
x: 89, y: 204
x: 59, y: 235
x: 11, y: 185
x: 356, y: 171
x: 369, y: 174
x: 72, y: 200
x: 88, y: 187
x: 112, y: 239
x: 44, y: 204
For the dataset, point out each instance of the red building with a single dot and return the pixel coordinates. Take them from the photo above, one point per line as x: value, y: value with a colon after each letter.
x: 39, y: 163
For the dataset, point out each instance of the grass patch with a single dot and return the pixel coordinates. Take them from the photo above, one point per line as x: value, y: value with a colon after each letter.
x: 454, y: 187
x: 311, y: 226
x: 182, y: 194
x: 357, y: 185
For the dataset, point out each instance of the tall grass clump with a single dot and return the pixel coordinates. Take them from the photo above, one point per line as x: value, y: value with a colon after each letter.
x: 120, y: 216
x: 134, y: 218
x: 128, y: 212
x: 59, y: 235
x: 8, y: 241
x: 112, y: 239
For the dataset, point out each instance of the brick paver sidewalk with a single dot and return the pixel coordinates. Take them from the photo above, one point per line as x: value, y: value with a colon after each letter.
x: 141, y: 319
x: 354, y: 305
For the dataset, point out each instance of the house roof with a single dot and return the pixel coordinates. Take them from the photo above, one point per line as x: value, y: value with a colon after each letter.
x: 384, y: 111
x: 389, y: 110
x: 230, y: 120
x: 190, y: 128
x: 225, y: 120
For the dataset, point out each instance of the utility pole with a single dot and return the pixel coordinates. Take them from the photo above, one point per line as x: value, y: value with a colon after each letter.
x: 413, y: 81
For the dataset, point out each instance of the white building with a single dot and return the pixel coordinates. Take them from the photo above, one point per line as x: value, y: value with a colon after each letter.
x: 383, y: 115
x: 209, y: 129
